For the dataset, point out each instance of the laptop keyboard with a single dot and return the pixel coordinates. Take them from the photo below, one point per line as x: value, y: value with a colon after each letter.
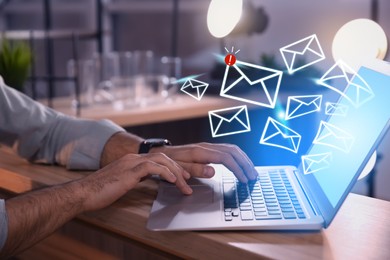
x: 271, y: 196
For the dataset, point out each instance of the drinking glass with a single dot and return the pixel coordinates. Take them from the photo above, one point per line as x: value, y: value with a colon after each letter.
x: 84, y: 69
x: 171, y: 68
x: 124, y: 81
x: 143, y: 73
x: 106, y: 71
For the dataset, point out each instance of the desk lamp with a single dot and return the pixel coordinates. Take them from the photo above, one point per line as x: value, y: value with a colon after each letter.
x: 223, y: 16
x: 358, y: 41
x: 233, y: 17
x: 355, y: 43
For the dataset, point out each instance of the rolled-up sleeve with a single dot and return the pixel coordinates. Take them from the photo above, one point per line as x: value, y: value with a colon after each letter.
x: 3, y: 224
x: 43, y: 135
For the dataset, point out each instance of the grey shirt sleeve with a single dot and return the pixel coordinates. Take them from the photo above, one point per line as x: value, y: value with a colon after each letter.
x: 3, y: 224
x: 43, y: 135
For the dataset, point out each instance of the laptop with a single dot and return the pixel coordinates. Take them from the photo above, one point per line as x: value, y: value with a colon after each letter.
x: 306, y: 197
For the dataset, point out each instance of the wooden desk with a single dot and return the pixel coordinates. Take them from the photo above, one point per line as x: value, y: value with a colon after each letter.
x: 361, y: 229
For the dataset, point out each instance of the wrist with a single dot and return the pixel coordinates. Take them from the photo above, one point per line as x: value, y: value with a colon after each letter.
x: 119, y: 145
x: 153, y: 144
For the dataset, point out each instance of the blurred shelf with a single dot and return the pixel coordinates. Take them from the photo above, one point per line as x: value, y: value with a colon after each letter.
x: 31, y: 7
x: 182, y: 107
x: 159, y: 6
x: 52, y: 34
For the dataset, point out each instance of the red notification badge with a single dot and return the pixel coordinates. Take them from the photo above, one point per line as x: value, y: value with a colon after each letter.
x: 230, y: 59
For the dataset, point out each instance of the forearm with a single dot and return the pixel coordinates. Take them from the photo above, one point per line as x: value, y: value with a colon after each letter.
x: 35, y: 215
x: 43, y: 135
x: 118, y: 145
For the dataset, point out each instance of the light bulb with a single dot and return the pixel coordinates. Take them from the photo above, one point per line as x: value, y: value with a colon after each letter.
x: 358, y: 41
x: 223, y: 16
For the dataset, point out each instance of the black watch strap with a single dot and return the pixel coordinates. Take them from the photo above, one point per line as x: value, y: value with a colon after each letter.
x: 147, y: 144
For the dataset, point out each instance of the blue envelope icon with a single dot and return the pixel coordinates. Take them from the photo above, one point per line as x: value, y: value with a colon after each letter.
x: 298, y: 106
x: 342, y: 79
x: 334, y: 109
x: 261, y: 83
x: 334, y: 137
x: 316, y: 162
x: 229, y: 121
x: 278, y: 135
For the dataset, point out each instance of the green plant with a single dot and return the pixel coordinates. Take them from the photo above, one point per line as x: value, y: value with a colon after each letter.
x: 15, y: 61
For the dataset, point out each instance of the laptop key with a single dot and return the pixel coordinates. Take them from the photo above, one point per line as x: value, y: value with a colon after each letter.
x: 260, y: 213
x: 228, y: 218
x: 258, y: 205
x: 246, y: 215
x: 246, y: 208
x: 268, y: 217
x: 273, y: 210
x: 235, y: 212
x: 289, y: 215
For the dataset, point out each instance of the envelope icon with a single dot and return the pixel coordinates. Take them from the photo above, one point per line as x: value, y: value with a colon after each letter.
x: 303, y: 53
x: 316, y: 162
x: 229, y: 121
x: 195, y: 88
x: 334, y: 109
x: 334, y: 137
x: 352, y: 87
x: 278, y: 135
x: 298, y: 106
x: 262, y: 84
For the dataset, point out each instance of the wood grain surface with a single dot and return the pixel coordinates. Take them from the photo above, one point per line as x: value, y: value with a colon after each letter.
x: 361, y: 229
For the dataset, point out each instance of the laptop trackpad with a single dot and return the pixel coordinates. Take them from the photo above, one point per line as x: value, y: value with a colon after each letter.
x: 202, y: 194
x: 174, y: 210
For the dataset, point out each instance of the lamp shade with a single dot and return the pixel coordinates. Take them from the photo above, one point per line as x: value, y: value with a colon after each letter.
x: 223, y: 16
x: 358, y: 41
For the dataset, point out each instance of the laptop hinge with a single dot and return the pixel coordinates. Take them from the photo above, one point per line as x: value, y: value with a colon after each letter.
x: 312, y: 204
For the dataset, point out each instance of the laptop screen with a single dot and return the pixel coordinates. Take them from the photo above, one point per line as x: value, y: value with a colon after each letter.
x: 346, y: 140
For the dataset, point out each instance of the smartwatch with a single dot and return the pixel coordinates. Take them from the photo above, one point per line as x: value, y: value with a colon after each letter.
x: 147, y: 144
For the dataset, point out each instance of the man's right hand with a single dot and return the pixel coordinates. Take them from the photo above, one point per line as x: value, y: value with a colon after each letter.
x: 111, y: 182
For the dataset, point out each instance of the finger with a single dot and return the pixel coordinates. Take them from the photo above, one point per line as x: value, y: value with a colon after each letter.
x: 176, y: 169
x: 205, y: 155
x: 146, y: 168
x: 240, y: 156
x: 198, y: 170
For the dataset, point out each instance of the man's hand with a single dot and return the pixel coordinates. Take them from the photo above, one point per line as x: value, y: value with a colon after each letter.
x: 114, y: 180
x: 192, y: 158
x: 195, y: 157
x: 37, y: 214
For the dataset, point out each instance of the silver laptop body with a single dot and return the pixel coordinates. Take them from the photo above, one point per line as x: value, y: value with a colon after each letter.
x: 286, y: 198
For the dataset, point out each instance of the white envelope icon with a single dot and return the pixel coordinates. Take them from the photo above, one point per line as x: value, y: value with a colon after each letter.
x: 316, y: 162
x: 352, y: 87
x: 237, y: 121
x: 334, y: 109
x: 194, y: 88
x: 298, y: 106
x: 251, y: 83
x: 303, y: 53
x: 334, y: 137
x: 279, y: 135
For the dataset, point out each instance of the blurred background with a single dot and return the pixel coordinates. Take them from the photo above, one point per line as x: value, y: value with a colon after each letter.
x: 125, y: 38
